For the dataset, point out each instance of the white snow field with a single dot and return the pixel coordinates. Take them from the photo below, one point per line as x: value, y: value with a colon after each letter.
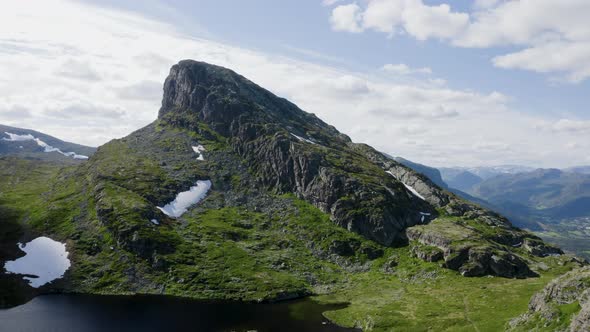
x: 45, y: 258
x: 185, y: 199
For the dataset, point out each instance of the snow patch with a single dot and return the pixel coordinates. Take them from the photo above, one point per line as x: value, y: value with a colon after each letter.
x: 199, y: 149
x: 155, y: 222
x: 413, y: 191
x: 390, y: 191
x: 46, y: 147
x: 303, y: 139
x: 410, y: 188
x: 45, y: 258
x: 186, y: 199
x: 18, y: 138
x: 423, y: 216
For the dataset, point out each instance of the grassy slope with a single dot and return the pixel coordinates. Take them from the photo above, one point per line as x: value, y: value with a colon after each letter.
x: 565, y: 314
x: 421, y: 296
x: 238, y: 253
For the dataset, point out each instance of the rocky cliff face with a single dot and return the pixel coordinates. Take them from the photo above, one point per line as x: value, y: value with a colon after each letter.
x: 291, y: 151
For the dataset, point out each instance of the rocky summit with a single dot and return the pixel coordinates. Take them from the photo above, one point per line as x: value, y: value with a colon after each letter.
x: 235, y: 193
x: 291, y: 151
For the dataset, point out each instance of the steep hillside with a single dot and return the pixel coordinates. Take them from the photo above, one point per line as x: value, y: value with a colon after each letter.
x: 430, y: 172
x: 275, y: 204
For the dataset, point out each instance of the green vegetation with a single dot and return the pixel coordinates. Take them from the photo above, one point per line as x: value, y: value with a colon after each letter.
x: 225, y: 250
x: 234, y: 253
x: 422, y: 296
x: 564, y: 314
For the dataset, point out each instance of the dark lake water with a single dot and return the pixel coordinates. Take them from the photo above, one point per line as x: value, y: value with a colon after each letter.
x: 81, y: 313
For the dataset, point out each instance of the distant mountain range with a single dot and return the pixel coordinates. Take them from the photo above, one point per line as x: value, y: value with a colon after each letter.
x: 579, y: 169
x: 465, y: 178
x: 31, y: 144
x: 543, y: 190
x: 552, y: 202
x: 525, y: 192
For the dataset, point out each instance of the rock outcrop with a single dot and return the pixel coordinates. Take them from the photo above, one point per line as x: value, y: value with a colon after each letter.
x: 466, y: 250
x: 563, y: 305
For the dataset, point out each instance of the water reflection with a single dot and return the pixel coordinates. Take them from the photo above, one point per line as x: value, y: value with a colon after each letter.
x: 82, y: 313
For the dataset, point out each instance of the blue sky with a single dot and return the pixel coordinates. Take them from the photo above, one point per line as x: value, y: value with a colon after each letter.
x: 461, y: 83
x: 282, y: 26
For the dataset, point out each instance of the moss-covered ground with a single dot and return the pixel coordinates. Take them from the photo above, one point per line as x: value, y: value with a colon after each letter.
x: 421, y: 296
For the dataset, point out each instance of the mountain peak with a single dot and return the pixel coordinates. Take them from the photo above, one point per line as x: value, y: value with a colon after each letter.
x: 260, y: 148
x: 189, y: 78
x: 191, y: 85
x: 197, y: 92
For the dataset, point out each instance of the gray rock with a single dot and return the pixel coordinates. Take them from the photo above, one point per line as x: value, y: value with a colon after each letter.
x: 261, y: 127
x: 567, y: 289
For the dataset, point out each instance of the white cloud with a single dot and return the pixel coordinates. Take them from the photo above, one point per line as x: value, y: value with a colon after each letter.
x: 77, y: 70
x: 403, y: 69
x: 566, y: 126
x: 383, y: 15
x: 346, y: 18
x: 554, y: 35
x: 424, y: 22
x: 419, y: 20
x: 572, y: 59
x: 528, y: 22
x: 327, y: 3
x: 314, y: 54
x: 76, y: 112
x: 484, y: 4
x: 421, y: 120
x: 437, y: 81
x: 149, y: 90
x: 15, y: 112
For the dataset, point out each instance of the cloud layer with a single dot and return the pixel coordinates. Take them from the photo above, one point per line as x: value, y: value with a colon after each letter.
x: 89, y: 74
x: 554, y: 36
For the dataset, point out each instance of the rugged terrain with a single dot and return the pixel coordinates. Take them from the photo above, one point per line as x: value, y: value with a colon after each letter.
x: 296, y: 208
x: 563, y: 305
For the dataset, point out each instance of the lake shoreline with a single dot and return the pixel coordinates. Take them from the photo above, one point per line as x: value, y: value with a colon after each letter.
x: 214, y: 314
